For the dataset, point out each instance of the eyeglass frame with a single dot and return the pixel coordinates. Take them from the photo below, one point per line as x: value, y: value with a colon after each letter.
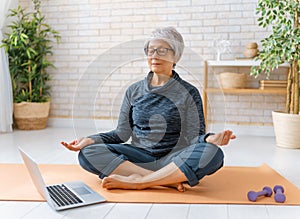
x: 157, y: 51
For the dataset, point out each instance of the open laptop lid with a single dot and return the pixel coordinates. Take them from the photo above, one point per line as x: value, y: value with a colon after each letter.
x: 36, y: 176
x: 83, y: 191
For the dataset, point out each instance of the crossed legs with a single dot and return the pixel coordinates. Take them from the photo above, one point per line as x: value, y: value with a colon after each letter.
x: 169, y: 175
x: 117, y: 165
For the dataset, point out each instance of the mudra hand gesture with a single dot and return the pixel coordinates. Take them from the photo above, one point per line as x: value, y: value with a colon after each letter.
x: 221, y: 138
x: 77, y: 145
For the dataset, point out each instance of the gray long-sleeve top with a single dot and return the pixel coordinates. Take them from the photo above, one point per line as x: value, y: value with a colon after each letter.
x: 159, y: 118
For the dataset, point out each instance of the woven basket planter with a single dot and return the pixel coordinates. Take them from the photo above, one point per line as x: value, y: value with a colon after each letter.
x: 232, y: 80
x: 287, y: 129
x: 31, y: 116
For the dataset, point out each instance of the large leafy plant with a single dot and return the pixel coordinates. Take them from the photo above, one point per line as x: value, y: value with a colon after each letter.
x: 282, y: 45
x: 28, y: 45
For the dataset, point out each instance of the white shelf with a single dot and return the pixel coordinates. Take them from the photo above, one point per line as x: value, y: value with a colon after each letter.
x: 236, y: 63
x: 246, y: 91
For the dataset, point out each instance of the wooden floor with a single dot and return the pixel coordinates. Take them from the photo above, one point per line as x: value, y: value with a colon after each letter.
x: 44, y: 147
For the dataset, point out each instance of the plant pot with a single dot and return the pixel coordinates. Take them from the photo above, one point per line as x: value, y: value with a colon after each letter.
x: 232, y: 80
x: 287, y: 129
x: 31, y: 116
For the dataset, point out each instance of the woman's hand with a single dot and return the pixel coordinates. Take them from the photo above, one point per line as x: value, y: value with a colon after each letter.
x: 77, y: 145
x: 221, y: 138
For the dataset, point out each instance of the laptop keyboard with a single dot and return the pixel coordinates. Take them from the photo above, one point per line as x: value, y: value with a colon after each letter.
x: 62, y: 195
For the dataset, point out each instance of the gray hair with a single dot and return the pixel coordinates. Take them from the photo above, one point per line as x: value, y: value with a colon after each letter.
x: 172, y: 37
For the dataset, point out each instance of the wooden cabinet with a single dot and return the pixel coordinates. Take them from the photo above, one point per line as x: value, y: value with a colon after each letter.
x: 209, y: 65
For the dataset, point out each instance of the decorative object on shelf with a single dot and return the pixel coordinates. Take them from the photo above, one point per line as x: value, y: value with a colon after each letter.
x: 222, y: 46
x: 282, y: 46
x: 229, y: 80
x: 251, y: 50
x: 272, y: 84
x: 28, y: 45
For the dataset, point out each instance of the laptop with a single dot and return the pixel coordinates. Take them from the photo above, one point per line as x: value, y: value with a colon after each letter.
x: 61, y: 196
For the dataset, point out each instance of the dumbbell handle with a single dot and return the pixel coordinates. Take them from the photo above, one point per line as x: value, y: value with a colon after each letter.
x: 261, y: 193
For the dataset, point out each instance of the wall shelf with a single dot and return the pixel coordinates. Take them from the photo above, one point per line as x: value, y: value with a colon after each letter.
x: 247, y: 91
x: 236, y: 63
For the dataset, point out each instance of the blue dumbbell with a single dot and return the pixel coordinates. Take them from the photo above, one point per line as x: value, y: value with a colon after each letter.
x: 266, y: 191
x: 279, y: 196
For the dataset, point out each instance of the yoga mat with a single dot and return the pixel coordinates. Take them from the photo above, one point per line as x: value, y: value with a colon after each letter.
x: 229, y: 185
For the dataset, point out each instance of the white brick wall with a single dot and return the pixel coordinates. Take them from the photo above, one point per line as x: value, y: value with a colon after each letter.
x: 90, y: 28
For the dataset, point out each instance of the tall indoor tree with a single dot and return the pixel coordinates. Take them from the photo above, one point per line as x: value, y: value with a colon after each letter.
x: 282, y: 46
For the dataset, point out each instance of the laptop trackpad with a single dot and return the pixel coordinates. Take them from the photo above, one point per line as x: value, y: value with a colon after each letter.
x: 81, y: 191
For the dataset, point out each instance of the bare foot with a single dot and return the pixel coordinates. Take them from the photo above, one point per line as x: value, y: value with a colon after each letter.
x: 180, y: 187
x: 132, y: 182
x: 122, y: 182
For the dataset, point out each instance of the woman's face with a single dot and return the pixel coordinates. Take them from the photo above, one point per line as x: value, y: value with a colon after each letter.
x: 160, y: 57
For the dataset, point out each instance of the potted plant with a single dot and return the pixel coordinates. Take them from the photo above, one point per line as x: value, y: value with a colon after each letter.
x: 282, y: 46
x: 28, y: 44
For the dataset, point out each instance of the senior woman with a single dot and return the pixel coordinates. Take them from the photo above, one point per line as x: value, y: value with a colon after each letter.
x: 163, y: 116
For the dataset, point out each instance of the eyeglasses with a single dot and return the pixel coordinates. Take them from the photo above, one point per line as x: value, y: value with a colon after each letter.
x: 159, y: 51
